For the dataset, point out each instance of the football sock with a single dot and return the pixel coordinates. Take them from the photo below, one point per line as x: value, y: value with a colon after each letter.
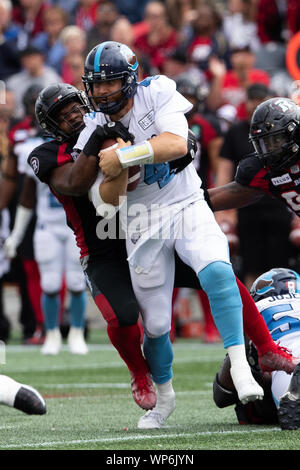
x: 159, y: 355
x: 8, y: 390
x: 127, y: 341
x: 218, y: 281
x: 254, y: 324
x: 78, y: 304
x: 50, y: 304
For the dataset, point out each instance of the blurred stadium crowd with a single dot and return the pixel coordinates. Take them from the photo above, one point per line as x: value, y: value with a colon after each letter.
x: 226, y: 57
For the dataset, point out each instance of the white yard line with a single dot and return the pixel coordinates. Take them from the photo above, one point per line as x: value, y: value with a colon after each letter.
x: 135, y: 437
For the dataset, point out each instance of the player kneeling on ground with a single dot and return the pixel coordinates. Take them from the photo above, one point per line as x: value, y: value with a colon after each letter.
x: 277, y: 296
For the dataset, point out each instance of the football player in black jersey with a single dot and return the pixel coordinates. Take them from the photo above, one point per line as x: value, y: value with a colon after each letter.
x: 59, y: 111
x: 274, y: 167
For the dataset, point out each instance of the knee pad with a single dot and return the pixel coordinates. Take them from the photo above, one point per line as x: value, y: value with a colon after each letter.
x: 223, y: 397
x: 51, y: 283
x: 75, y: 281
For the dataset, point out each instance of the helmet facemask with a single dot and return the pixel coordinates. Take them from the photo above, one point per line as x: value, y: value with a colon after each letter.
x: 52, y: 125
x: 278, y: 150
x: 106, y: 105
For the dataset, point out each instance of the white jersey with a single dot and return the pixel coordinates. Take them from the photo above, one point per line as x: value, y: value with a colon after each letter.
x: 281, y: 314
x: 157, y: 108
x: 49, y: 210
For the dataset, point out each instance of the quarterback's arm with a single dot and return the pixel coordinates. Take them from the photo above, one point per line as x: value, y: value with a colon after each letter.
x: 233, y: 195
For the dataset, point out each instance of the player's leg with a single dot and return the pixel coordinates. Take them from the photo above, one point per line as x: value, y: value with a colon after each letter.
x: 21, y: 396
x: 154, y: 294
x: 111, y: 289
x: 76, y: 285
x: 204, y: 247
x: 49, y: 253
x: 271, y: 355
x: 286, y: 388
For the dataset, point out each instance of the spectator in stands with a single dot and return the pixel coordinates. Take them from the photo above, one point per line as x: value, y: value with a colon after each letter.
x: 132, y: 9
x: 277, y: 20
x: 106, y: 15
x: 181, y: 13
x: 48, y: 41
x: 28, y: 15
x: 240, y: 26
x: 207, y: 38
x: 160, y: 38
x: 230, y: 85
x: 122, y: 31
x: 86, y: 13
x: 9, y: 53
x: 259, y: 241
x: 74, y: 40
x: 73, y: 70
x: 34, y: 72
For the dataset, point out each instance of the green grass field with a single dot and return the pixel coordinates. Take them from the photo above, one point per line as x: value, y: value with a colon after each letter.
x: 89, y: 404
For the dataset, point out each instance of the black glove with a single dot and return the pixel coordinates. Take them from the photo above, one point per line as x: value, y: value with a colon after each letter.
x: 101, y: 133
x: 180, y: 163
x: 116, y: 129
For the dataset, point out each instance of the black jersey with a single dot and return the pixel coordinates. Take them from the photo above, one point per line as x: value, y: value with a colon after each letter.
x: 80, y: 212
x: 284, y: 185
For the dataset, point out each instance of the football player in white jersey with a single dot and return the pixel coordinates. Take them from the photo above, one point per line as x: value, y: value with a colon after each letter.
x: 166, y: 212
x: 277, y: 297
x: 56, y: 254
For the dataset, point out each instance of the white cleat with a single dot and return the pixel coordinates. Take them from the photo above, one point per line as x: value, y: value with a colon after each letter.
x: 76, y: 342
x: 21, y: 396
x: 156, y: 418
x: 247, y: 388
x: 53, y: 342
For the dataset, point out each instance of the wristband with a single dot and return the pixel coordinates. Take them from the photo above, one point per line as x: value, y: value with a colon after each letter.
x: 139, y: 154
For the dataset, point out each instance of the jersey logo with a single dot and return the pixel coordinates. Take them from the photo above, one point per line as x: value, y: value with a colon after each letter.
x: 35, y: 165
x: 147, y: 120
x: 281, y: 179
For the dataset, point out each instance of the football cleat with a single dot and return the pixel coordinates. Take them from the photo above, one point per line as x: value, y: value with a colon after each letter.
x: 29, y: 401
x: 143, y: 391
x: 76, y: 342
x: 247, y: 388
x: 156, y: 418
x: 279, y: 358
x: 20, y: 396
x: 289, y: 404
x: 53, y: 342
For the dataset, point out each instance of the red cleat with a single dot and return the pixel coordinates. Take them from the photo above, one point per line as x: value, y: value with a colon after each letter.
x: 278, y: 359
x: 143, y: 391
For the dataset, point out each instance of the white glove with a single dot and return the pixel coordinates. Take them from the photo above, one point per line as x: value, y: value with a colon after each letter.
x: 10, y: 247
x: 23, y: 216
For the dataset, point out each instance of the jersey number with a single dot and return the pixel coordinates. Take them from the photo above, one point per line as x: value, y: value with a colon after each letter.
x: 292, y: 199
x: 158, y: 173
x: 280, y: 313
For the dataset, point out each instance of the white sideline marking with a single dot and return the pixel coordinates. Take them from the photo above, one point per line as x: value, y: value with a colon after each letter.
x: 137, y: 438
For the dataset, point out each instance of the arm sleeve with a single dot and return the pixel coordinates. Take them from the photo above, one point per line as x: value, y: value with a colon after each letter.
x: 103, y: 209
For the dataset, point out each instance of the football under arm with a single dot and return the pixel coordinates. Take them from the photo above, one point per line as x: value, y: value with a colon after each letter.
x: 233, y: 196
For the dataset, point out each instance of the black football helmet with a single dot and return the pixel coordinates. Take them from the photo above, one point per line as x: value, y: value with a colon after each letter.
x: 275, y: 133
x: 51, y: 100
x: 277, y: 281
x: 111, y: 60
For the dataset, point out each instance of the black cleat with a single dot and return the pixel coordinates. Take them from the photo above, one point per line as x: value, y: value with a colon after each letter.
x: 29, y: 401
x: 289, y: 405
